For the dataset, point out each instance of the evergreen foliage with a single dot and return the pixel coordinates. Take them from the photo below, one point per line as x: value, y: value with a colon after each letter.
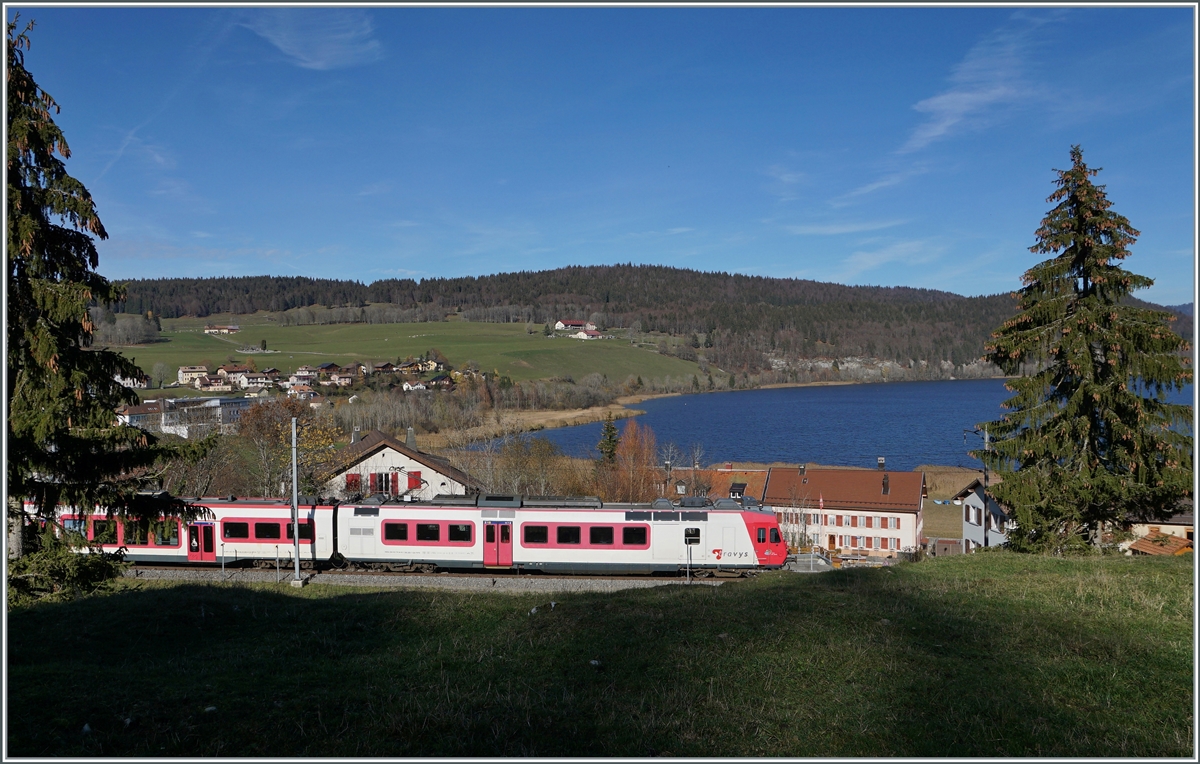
x: 609, y: 440
x: 63, y: 442
x: 1089, y: 438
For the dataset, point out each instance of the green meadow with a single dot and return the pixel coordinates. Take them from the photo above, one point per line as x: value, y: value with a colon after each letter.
x: 992, y: 654
x: 505, y: 348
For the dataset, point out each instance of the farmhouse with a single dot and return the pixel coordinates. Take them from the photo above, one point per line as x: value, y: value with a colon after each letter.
x: 217, y: 329
x: 868, y: 513
x: 572, y: 324
x: 587, y: 334
x: 379, y: 464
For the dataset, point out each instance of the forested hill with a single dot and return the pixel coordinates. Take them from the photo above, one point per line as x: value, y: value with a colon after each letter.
x: 742, y: 317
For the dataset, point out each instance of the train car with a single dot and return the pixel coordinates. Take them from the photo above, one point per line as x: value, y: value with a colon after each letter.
x: 558, y: 535
x: 231, y: 530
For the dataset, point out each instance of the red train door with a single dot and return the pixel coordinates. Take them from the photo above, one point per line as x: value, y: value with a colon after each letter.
x: 202, y: 545
x: 497, y: 545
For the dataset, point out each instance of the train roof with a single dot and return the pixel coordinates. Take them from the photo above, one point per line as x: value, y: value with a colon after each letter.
x: 514, y: 501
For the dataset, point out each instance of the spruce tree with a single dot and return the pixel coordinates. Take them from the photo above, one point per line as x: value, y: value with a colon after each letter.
x: 609, y: 440
x: 1089, y: 438
x: 64, y: 444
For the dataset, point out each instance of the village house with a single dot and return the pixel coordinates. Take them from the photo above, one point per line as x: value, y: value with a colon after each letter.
x: 339, y: 379
x: 301, y: 391
x: 189, y: 374
x: 380, y: 464
x: 1181, y: 525
x: 185, y: 417
x: 985, y: 522
x: 383, y: 368
x: 864, y: 513
x: 572, y: 324
x: 587, y: 334
x: 410, y: 386
x: 213, y: 384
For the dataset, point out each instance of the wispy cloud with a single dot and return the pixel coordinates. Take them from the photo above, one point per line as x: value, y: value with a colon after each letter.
x: 989, y: 77
x: 674, y: 231
x: 382, y: 187
x: 914, y: 252
x: 318, y: 38
x: 835, y: 229
x: 784, y: 175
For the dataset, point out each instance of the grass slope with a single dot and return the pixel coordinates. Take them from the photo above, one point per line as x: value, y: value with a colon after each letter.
x: 503, y: 347
x: 985, y: 655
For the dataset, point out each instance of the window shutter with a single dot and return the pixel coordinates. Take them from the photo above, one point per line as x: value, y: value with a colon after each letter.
x: 414, y: 481
x: 374, y: 483
x: 853, y: 521
x: 353, y: 482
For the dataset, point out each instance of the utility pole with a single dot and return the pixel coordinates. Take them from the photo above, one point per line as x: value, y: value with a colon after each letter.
x: 296, y: 581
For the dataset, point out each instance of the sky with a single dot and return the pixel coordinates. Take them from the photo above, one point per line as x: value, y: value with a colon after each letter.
x: 893, y: 146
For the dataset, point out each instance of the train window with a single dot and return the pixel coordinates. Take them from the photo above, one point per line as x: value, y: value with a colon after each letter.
x: 537, y: 534
x: 75, y: 525
x: 235, y: 530
x: 762, y: 535
x: 306, y: 531
x: 600, y: 535
x: 104, y: 532
x: 691, y: 536
x: 774, y: 535
x: 137, y: 532
x: 505, y: 538
x: 568, y: 534
x: 456, y: 532
x: 489, y: 533
x: 166, y: 533
x: 266, y: 530
x: 395, y: 531
x: 633, y: 536
x: 429, y: 532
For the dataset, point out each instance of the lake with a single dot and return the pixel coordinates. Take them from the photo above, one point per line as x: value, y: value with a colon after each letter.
x: 907, y: 423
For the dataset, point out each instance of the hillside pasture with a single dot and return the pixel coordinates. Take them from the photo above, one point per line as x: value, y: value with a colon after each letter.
x: 505, y: 348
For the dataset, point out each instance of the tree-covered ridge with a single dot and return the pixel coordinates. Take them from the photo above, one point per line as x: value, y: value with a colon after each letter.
x: 741, y: 317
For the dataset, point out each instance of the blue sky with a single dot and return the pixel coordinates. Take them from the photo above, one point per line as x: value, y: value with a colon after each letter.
x: 890, y: 146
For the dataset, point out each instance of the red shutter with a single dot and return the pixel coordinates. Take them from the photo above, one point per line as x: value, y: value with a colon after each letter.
x: 896, y: 524
x: 853, y: 521
x: 353, y: 482
x: 395, y: 483
x: 414, y: 481
x: 374, y: 483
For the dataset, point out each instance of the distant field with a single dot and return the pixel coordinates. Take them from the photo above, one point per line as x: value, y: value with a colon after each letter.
x: 506, y: 348
x: 985, y: 655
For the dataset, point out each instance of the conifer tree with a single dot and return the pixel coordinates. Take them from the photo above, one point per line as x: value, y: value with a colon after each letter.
x: 64, y: 443
x: 609, y: 440
x: 1088, y: 439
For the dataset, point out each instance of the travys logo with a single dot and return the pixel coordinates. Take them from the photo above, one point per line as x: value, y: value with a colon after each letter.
x: 717, y: 552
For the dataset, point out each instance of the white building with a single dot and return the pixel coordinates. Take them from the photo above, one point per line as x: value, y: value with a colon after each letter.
x: 188, y: 374
x: 380, y: 464
x: 985, y: 522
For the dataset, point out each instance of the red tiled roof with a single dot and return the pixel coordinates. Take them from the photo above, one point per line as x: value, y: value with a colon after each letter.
x: 1161, y: 543
x: 845, y: 489
x: 721, y: 480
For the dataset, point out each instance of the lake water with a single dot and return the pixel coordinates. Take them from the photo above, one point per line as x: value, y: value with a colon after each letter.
x: 907, y: 423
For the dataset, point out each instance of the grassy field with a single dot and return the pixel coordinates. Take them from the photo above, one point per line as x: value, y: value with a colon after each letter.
x: 986, y: 655
x: 506, y: 348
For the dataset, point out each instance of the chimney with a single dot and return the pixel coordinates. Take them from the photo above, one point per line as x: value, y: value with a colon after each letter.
x: 729, y: 465
x: 354, y: 436
x: 886, y: 488
x: 803, y: 469
x: 879, y: 463
x: 411, y: 440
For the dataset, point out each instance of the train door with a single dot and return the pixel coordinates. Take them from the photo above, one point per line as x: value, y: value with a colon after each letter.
x: 202, y: 546
x: 497, y: 545
x: 728, y: 543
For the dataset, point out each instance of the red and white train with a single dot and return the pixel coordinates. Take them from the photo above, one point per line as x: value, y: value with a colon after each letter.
x: 551, y: 534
